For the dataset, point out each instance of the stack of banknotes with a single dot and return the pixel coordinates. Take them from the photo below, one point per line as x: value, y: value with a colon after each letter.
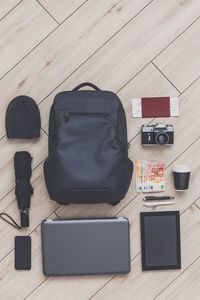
x: 150, y: 176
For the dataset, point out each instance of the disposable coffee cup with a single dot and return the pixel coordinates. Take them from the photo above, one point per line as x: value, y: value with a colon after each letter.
x: 181, y: 177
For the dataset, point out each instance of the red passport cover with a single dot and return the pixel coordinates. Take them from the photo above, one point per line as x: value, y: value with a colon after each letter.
x: 155, y: 107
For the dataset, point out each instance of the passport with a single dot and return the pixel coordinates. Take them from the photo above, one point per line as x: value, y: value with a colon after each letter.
x: 153, y: 107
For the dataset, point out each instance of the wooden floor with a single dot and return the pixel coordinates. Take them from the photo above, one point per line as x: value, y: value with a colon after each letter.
x: 134, y: 48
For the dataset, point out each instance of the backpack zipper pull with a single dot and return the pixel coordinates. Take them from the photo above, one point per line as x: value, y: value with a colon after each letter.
x: 66, y: 116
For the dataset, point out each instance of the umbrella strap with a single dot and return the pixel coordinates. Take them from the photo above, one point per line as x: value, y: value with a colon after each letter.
x: 12, y: 223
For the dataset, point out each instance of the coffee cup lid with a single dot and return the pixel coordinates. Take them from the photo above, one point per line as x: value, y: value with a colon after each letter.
x: 181, y: 168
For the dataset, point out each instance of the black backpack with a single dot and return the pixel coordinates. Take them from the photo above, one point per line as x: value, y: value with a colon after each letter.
x: 88, y: 149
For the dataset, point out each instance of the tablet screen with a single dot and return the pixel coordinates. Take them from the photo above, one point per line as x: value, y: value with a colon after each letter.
x: 160, y: 236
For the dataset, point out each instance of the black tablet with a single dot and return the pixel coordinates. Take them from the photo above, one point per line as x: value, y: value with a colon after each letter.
x: 160, y: 238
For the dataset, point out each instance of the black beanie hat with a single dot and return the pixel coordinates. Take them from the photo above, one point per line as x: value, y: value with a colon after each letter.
x: 23, y: 118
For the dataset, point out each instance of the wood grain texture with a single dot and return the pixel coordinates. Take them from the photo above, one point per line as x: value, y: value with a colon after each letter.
x: 78, y: 287
x: 61, y: 9
x: 7, y: 6
x: 184, y: 285
x: 57, y: 57
x: 135, y: 48
x: 180, y: 62
x: 149, y: 35
x: 20, y: 31
x: 141, y: 40
x: 198, y: 200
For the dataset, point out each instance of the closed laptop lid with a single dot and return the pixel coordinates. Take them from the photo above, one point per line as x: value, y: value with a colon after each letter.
x: 85, y: 246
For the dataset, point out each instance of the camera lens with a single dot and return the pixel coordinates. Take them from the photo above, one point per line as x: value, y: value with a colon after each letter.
x: 162, y: 138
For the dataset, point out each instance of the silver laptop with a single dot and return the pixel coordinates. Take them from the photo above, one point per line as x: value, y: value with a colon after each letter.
x: 85, y: 246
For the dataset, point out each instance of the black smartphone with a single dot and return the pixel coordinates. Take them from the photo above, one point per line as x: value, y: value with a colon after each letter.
x: 22, y: 252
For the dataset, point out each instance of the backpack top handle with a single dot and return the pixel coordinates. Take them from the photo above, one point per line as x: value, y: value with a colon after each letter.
x: 86, y: 84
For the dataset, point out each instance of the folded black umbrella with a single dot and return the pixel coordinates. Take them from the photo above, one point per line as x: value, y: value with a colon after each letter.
x: 23, y: 189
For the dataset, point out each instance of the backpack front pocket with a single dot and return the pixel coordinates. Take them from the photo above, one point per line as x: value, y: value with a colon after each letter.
x: 85, y: 129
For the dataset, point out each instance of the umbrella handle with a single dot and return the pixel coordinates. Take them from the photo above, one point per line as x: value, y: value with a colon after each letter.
x: 24, y: 214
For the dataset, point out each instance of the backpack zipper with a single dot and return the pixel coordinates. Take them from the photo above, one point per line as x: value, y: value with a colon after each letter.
x: 68, y: 114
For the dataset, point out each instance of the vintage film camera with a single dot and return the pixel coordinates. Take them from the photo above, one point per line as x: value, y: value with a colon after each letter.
x: 158, y: 134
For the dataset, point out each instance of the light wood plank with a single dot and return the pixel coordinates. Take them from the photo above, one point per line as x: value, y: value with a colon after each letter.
x: 181, y: 62
x: 149, y: 35
x: 186, y: 286
x: 140, y: 41
x: 8, y: 147
x: 61, y: 9
x: 198, y: 201
x: 20, y: 31
x: 74, y: 287
x: 41, y: 207
x: 56, y: 58
x: 145, y: 285
x: 110, y: 68
x: 64, y: 50
x: 7, y: 6
x: 17, y: 284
